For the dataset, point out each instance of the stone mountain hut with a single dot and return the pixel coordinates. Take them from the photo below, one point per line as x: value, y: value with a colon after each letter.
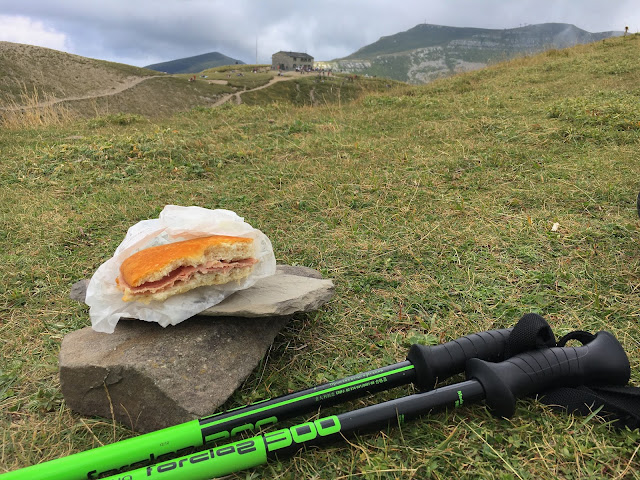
x: 291, y: 60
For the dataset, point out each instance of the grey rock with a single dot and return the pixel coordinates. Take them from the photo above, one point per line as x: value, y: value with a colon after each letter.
x: 279, y: 294
x: 79, y: 290
x: 292, y: 289
x: 298, y: 270
x: 148, y: 377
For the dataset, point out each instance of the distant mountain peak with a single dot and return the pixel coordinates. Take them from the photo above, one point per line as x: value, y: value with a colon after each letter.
x: 195, y: 64
x: 426, y: 51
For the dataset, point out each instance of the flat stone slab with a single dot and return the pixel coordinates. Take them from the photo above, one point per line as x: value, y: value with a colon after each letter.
x: 148, y: 377
x: 285, y: 293
x: 291, y: 290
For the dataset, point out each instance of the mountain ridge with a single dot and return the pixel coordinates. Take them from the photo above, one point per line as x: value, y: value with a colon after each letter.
x: 194, y: 64
x: 426, y: 52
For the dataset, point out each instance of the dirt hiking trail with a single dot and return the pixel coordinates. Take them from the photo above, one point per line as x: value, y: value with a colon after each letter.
x: 128, y: 83
x: 132, y: 82
x: 236, y: 96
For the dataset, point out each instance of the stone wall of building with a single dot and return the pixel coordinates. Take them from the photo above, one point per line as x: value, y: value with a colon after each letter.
x: 291, y: 61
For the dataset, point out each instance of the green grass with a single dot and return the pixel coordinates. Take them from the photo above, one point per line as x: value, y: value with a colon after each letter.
x: 156, y: 97
x: 241, y: 77
x: 237, y: 81
x: 311, y: 90
x: 431, y: 208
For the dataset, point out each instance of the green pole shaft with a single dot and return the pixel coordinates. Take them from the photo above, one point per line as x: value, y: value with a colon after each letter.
x: 126, y: 453
x: 175, y: 441
x: 258, y: 450
x: 210, y: 463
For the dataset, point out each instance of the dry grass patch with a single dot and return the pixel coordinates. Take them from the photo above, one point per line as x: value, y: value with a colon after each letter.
x: 33, y: 109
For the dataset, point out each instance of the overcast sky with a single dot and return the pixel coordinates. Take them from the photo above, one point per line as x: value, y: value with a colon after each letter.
x: 142, y: 32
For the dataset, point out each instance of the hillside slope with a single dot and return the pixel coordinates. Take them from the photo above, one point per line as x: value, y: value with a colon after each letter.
x: 33, y: 77
x: 51, y: 73
x: 195, y: 64
x: 40, y: 85
x: 438, y: 210
x: 426, y: 52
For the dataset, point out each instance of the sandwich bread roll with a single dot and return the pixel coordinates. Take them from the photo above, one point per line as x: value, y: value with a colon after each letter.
x: 156, y: 273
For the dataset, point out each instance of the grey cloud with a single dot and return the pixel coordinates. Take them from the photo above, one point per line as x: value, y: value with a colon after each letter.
x: 147, y: 31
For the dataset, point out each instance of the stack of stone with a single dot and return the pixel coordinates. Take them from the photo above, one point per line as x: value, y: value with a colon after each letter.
x: 148, y: 377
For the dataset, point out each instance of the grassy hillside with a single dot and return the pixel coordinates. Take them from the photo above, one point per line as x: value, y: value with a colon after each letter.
x: 313, y: 90
x: 43, y: 86
x: 74, y: 86
x: 56, y: 74
x: 430, y: 206
x: 194, y: 64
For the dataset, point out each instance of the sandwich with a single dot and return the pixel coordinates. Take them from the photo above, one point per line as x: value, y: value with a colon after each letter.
x: 157, y: 273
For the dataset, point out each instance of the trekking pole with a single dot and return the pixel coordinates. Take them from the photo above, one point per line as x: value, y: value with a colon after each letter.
x: 600, y: 361
x: 426, y: 366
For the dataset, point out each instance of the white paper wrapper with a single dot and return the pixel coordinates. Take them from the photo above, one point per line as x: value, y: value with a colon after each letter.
x: 174, y: 224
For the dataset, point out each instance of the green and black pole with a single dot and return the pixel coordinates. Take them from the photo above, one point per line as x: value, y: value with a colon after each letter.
x: 499, y: 384
x: 426, y: 366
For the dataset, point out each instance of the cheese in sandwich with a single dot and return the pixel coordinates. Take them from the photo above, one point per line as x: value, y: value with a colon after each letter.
x: 156, y: 273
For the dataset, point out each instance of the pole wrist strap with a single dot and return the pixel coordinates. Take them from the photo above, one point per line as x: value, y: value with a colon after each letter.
x: 620, y: 405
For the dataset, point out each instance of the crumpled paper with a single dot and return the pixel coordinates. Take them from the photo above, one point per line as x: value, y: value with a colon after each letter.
x: 175, y: 223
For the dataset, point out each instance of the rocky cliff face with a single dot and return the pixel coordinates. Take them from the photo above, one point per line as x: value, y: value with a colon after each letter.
x: 427, y: 52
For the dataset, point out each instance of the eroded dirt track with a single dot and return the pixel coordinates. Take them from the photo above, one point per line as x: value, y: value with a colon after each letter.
x: 132, y: 82
x: 237, y: 95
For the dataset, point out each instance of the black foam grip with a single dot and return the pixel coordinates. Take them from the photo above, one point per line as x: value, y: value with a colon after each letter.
x: 601, y: 361
x: 436, y: 363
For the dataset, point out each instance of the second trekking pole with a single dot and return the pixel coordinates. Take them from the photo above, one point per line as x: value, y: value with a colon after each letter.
x: 600, y: 361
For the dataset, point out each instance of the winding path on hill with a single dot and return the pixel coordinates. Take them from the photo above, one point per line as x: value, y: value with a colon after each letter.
x: 132, y: 82
x: 129, y: 82
x: 236, y: 96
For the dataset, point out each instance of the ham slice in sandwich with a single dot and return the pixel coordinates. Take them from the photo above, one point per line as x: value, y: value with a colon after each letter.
x: 156, y: 273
